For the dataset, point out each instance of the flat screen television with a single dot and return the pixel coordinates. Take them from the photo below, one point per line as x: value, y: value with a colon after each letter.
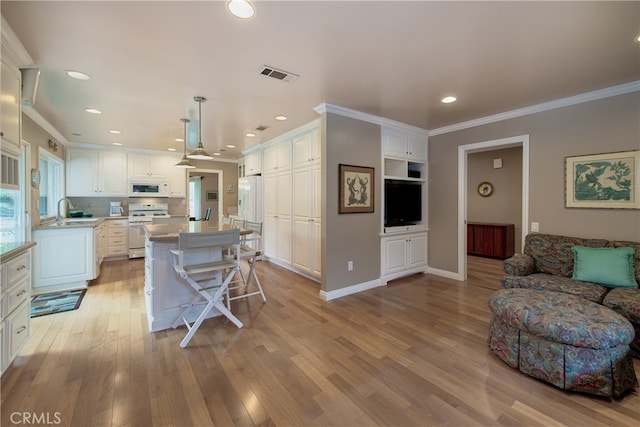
x: 402, y: 203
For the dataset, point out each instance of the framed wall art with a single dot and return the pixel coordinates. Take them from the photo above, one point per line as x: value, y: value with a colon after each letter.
x: 356, y: 192
x: 609, y: 180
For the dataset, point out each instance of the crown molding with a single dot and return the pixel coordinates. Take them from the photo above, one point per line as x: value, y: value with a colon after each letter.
x: 545, y: 106
x: 358, y: 115
x: 14, y: 47
x: 34, y: 115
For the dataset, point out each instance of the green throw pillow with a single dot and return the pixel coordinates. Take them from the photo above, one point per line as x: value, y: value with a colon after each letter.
x: 611, y: 267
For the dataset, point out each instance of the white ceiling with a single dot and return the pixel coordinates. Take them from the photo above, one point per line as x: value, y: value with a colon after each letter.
x: 391, y: 59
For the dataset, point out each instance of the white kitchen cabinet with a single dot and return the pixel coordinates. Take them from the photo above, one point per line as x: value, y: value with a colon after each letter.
x: 96, y: 173
x: 277, y: 217
x: 403, y: 254
x: 253, y: 163
x: 64, y: 258
x: 306, y: 148
x: 176, y: 177
x: 147, y: 167
x: 307, y: 217
x: 117, y: 238
x: 404, y: 145
x: 15, y: 305
x: 10, y: 107
x: 277, y: 156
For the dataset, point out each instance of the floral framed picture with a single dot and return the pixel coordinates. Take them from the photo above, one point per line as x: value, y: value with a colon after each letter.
x: 356, y: 190
x: 609, y: 180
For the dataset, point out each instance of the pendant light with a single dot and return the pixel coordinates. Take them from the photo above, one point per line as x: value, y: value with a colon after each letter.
x: 185, y: 163
x: 199, y: 153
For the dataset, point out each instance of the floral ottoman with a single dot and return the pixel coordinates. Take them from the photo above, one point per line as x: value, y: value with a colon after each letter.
x: 562, y: 339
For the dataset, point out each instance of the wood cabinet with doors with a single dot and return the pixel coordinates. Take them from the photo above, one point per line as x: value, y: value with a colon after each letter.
x: 253, y: 163
x: 277, y: 156
x: 96, y: 173
x: 490, y: 240
x: 176, y: 178
x: 277, y: 217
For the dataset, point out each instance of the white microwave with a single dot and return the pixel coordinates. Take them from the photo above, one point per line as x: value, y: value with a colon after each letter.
x: 148, y: 189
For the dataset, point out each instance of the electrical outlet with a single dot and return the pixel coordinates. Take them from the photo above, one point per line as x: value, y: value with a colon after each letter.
x: 349, y: 265
x: 535, y: 227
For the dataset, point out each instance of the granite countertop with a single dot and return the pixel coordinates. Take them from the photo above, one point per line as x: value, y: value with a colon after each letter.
x: 71, y: 223
x: 13, y: 249
x: 169, y: 231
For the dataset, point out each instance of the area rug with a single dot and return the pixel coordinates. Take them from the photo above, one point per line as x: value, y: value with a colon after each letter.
x: 56, y: 302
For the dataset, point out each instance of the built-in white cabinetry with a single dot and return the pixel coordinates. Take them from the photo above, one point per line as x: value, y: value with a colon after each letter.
x: 277, y: 156
x: 15, y: 306
x: 307, y: 207
x: 253, y: 163
x: 92, y: 173
x: 277, y: 216
x: 403, y: 254
x: 64, y: 258
x: 404, y: 162
x: 117, y: 238
x: 176, y: 177
x: 147, y: 167
x: 10, y: 107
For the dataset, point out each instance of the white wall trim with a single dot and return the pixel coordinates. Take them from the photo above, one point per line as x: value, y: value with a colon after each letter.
x: 358, y: 115
x: 444, y: 273
x: 349, y: 290
x: 14, y: 47
x: 463, y: 151
x: 45, y: 125
x: 545, y: 106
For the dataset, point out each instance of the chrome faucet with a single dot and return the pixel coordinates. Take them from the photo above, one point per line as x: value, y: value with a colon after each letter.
x: 59, y: 213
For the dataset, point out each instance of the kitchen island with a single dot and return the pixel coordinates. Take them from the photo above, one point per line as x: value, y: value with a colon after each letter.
x: 165, y: 292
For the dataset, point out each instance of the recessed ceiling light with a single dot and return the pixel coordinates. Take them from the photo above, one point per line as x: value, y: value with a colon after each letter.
x: 231, y: 146
x: 449, y: 99
x: 77, y: 75
x: 241, y: 8
x: 250, y: 134
x: 216, y: 154
x: 93, y: 110
x: 117, y: 132
x: 117, y: 143
x: 638, y: 39
x: 281, y: 118
x: 179, y: 140
x: 171, y: 149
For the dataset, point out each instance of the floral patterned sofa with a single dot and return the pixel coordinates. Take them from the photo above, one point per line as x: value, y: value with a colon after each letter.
x: 547, y: 263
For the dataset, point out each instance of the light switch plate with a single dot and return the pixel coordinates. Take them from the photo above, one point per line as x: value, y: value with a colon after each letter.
x: 535, y: 227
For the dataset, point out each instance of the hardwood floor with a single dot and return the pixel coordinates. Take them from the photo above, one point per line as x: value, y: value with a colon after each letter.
x: 410, y: 354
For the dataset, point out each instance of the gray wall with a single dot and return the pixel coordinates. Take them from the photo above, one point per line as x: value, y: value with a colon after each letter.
x: 349, y: 236
x: 505, y: 204
x: 601, y: 126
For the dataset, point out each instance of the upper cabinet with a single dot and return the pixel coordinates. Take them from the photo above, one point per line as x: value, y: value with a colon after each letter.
x: 176, y: 177
x: 277, y: 156
x: 10, y: 107
x: 92, y: 173
x: 147, y: 167
x: 306, y: 148
x: 404, y: 155
x: 253, y: 163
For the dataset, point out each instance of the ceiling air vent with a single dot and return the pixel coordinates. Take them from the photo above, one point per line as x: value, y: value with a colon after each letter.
x: 285, y: 76
x: 261, y: 128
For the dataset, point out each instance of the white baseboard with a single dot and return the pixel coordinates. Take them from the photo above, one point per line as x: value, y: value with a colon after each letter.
x: 349, y: 290
x: 445, y: 273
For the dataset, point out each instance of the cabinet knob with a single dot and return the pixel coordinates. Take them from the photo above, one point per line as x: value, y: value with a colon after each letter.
x: 21, y: 329
x: 22, y: 292
x: 22, y: 267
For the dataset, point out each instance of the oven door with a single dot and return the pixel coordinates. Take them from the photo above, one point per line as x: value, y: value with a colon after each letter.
x: 136, y: 240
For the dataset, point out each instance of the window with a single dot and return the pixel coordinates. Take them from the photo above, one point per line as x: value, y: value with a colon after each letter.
x: 195, y: 189
x: 51, y: 179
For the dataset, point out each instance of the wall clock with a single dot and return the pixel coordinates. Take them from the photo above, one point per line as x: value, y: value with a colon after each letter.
x: 485, y: 189
x: 35, y: 178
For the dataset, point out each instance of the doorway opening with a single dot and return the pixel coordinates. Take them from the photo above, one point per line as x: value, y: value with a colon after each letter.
x: 463, y: 153
x: 205, y: 194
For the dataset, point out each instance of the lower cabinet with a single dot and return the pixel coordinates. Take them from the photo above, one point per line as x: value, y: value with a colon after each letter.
x: 15, y: 307
x: 117, y: 238
x: 490, y: 240
x: 403, y: 254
